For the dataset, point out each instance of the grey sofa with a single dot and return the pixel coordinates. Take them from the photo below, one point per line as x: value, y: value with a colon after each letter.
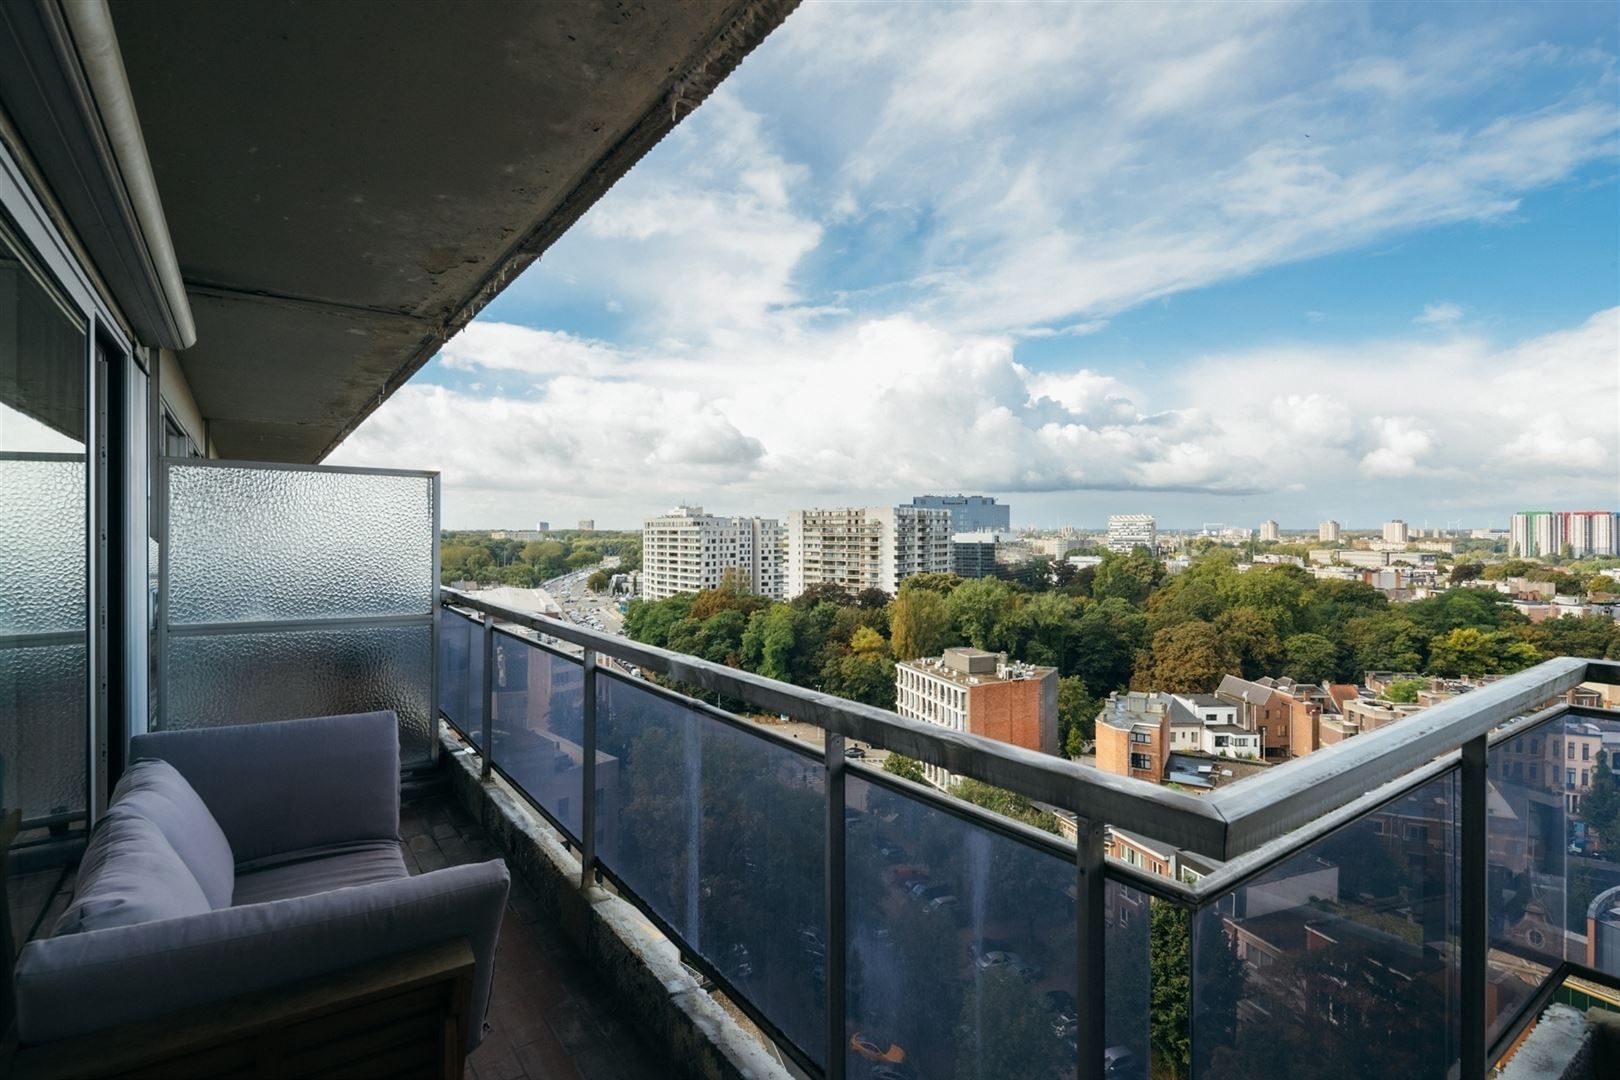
x: 239, y: 859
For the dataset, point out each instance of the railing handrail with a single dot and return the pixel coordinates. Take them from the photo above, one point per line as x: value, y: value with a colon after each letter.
x: 1223, y: 825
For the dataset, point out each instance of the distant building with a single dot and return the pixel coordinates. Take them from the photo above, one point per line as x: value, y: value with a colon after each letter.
x: 1534, y: 533
x: 1270, y: 531
x: 980, y: 693
x: 542, y: 526
x: 976, y: 554
x: 1206, y: 724
x: 1133, y: 735
x: 1592, y: 532
x: 1056, y: 547
x: 970, y: 513
x: 1260, y: 709
x: 1396, y: 532
x: 587, y: 524
x: 526, y: 535
x: 687, y: 551
x: 1127, y: 531
x: 874, y: 547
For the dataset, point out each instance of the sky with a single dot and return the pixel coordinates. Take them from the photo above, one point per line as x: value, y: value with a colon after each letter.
x: 1217, y: 263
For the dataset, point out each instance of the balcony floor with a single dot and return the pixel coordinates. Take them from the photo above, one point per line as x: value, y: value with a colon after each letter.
x: 549, y: 1017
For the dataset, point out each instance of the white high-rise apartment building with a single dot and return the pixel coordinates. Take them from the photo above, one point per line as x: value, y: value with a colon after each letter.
x: 872, y: 547
x: 1328, y: 532
x: 687, y: 551
x: 1590, y: 532
x: 1126, y: 531
x: 1270, y: 531
x: 1536, y: 532
x: 1396, y: 532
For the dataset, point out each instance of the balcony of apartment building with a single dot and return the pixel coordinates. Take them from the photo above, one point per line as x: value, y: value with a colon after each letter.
x: 693, y: 894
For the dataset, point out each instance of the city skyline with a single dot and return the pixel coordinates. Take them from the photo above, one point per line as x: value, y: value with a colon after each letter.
x: 1377, y: 280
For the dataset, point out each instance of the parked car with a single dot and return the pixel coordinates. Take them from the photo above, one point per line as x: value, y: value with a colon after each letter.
x: 1119, y: 1061
x: 940, y: 903
x: 1065, y: 1012
x: 870, y: 1049
x: 854, y: 752
x: 893, y: 1071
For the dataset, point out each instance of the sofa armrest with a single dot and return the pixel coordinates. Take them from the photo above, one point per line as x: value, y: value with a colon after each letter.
x: 293, y: 784
x: 84, y: 982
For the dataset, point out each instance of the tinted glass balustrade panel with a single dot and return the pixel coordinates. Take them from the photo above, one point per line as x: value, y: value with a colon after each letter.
x: 461, y: 674
x: 1341, y: 962
x: 243, y: 678
x: 721, y: 834
x: 43, y: 586
x: 269, y: 544
x: 961, y: 946
x: 1528, y: 847
x: 1593, y: 862
x: 538, y: 724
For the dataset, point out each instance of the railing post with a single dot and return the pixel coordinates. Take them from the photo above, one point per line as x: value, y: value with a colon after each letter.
x: 833, y: 877
x: 1474, y: 931
x: 1090, y: 900
x: 487, y: 699
x: 587, y: 805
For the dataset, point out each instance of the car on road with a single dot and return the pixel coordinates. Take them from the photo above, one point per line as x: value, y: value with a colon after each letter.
x: 855, y: 752
x: 871, y: 1049
x: 940, y: 903
x: 1065, y: 1012
x: 1000, y: 958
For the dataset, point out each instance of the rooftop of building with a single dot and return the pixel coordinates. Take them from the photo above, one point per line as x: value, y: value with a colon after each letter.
x: 976, y: 667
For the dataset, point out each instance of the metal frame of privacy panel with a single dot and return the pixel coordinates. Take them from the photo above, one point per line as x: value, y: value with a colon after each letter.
x: 298, y: 590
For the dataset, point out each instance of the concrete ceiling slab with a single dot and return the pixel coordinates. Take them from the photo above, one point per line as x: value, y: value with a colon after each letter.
x: 348, y: 183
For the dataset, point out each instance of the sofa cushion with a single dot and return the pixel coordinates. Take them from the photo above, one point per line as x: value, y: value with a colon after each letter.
x: 156, y: 791
x: 317, y: 870
x: 130, y: 875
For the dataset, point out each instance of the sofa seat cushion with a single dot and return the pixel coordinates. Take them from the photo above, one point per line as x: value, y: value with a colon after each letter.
x: 317, y: 870
x: 156, y: 791
x: 129, y: 875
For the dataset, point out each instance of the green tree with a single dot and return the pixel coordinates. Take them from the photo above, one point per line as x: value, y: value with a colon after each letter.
x: 1384, y: 641
x: 1404, y: 691
x: 1127, y: 577
x: 905, y: 768
x: 1186, y: 659
x: 1252, y: 638
x: 1004, y: 802
x: 919, y: 624
x: 976, y: 607
x: 1170, y: 960
x: 1466, y: 571
x: 598, y: 582
x: 1077, y: 715
x: 1107, y: 637
x: 1006, y: 1030
x: 941, y: 583
x: 1601, y: 805
x: 1470, y: 651
x: 1310, y: 658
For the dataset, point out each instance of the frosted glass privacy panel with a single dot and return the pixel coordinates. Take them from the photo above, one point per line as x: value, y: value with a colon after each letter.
x: 42, y: 730
x: 216, y: 680
x: 251, y: 544
x: 41, y: 543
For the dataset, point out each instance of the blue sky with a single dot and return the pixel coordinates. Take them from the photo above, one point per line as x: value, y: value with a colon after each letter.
x: 1212, y: 262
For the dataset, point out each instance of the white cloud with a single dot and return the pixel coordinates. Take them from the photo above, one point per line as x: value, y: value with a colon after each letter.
x: 822, y: 279
x: 1402, y: 445
x: 1441, y: 314
x: 894, y: 405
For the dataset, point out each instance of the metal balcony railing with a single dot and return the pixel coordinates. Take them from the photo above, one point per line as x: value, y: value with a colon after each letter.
x: 1400, y: 902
